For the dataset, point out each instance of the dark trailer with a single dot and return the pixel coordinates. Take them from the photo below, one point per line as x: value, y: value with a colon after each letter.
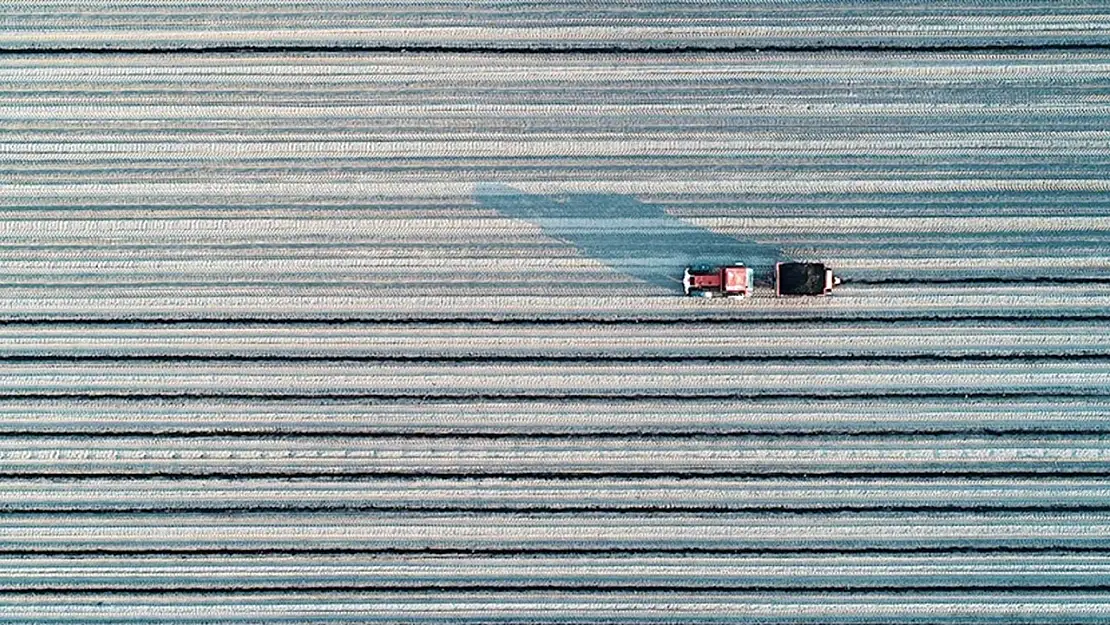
x: 804, y: 279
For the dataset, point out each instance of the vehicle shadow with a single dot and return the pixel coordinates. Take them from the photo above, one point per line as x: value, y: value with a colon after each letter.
x: 637, y: 239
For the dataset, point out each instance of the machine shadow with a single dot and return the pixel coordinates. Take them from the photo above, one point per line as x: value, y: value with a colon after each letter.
x: 642, y: 240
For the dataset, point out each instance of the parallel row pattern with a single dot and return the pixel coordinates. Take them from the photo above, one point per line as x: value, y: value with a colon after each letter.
x: 380, y: 337
x: 569, y: 24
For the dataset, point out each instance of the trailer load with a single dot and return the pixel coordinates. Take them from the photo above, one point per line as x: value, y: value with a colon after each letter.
x: 804, y: 279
